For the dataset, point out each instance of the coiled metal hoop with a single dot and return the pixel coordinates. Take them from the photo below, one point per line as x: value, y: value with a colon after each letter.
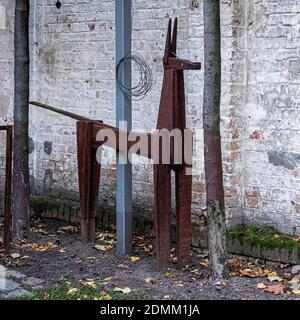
x: 144, y: 85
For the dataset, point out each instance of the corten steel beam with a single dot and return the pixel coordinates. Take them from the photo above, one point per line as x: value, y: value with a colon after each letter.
x: 8, y: 175
x: 124, y: 115
x: 89, y: 179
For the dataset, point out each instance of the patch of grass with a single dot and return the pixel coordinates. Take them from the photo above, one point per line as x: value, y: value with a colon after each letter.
x: 263, y: 236
x: 66, y: 290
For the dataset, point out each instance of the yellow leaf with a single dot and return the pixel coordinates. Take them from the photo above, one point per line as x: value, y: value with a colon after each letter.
x: 169, y: 274
x: 39, y: 230
x: 68, y: 229
x: 134, y: 259
x: 297, y: 292
x: 274, y: 278
x: 108, y: 279
x: 125, y: 290
x: 195, y: 272
x: 72, y: 291
x: 42, y: 246
x: 90, y: 284
x: 204, y: 263
x: 100, y: 247
x: 107, y: 297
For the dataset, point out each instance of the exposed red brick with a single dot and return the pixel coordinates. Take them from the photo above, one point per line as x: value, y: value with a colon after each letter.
x: 255, y: 135
x: 233, y: 146
x: 199, y: 187
x: 235, y: 134
x: 230, y: 191
x: 252, y: 202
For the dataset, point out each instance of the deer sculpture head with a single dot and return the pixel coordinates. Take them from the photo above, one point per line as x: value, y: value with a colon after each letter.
x: 171, y: 60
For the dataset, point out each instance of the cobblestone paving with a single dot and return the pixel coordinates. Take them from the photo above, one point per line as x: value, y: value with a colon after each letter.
x: 14, y: 284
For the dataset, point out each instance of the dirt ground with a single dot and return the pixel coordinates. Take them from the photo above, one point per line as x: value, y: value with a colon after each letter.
x: 55, y: 251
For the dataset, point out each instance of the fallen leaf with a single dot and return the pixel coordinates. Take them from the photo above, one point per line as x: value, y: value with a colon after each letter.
x: 68, y: 229
x: 167, y: 297
x: 295, y: 280
x: 274, y: 278
x: 297, y: 292
x: 134, y: 259
x: 204, y: 263
x: 63, y: 250
x: 277, y: 289
x: 186, y: 267
x: 221, y: 284
x: 195, y: 272
x: 261, y: 286
x: 169, y: 274
x: 15, y: 255
x: 125, y: 290
x: 149, y: 281
x: 90, y: 284
x: 108, y: 279
x: 100, y: 247
x: 72, y: 291
x: 106, y: 297
x: 41, y: 246
x: 174, y: 258
x: 179, y: 284
x: 39, y: 230
x: 123, y: 266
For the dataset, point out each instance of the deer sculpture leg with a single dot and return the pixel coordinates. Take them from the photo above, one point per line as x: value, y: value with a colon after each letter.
x: 89, y: 179
x: 162, y: 199
x: 183, y: 214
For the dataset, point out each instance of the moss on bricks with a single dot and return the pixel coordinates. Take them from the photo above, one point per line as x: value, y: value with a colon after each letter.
x: 265, y: 237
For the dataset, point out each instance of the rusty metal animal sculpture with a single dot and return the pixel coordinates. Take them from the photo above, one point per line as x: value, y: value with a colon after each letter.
x: 171, y: 116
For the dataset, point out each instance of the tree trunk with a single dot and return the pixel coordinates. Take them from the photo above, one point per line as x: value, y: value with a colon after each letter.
x: 21, y: 102
x: 212, y: 140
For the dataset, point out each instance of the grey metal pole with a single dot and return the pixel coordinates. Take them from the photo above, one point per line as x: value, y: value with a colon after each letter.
x: 124, y: 115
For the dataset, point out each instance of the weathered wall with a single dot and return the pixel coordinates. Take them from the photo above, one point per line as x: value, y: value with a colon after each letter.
x: 73, y: 68
x: 272, y: 126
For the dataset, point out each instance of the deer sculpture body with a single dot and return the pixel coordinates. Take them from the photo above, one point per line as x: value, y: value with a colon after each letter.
x: 172, y: 116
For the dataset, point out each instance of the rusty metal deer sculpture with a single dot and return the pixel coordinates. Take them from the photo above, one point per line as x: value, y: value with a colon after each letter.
x: 172, y: 116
